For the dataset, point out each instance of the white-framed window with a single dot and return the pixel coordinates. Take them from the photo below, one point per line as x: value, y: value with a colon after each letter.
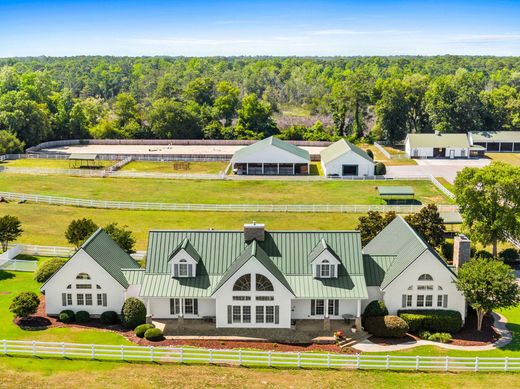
x: 317, y: 307
x: 191, y: 306
x: 439, y: 300
x: 237, y: 314
x: 259, y: 314
x: 88, y: 299
x: 174, y: 306
x: 424, y: 287
x: 69, y: 298
x: 333, y: 308
x: 102, y: 299
x: 325, y: 269
x: 425, y: 277
x: 83, y: 286
x: 420, y: 300
x: 264, y: 298
x: 83, y: 276
x: 246, y: 314
x: 80, y: 299
x: 269, y: 314
x: 263, y: 284
x: 183, y: 268
x: 406, y: 301
x: 429, y: 300
x: 242, y: 298
x: 243, y: 284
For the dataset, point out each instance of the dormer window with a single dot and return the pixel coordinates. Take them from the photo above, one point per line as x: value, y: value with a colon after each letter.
x: 183, y: 269
x: 325, y: 269
x: 324, y: 261
x: 183, y: 260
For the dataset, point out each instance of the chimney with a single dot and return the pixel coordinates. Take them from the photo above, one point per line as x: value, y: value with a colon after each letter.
x: 254, y: 231
x: 461, y: 250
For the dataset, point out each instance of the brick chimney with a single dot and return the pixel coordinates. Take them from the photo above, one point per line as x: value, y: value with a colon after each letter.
x: 254, y: 231
x: 461, y: 250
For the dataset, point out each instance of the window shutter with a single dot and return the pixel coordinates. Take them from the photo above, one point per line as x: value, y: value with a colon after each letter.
x: 336, y: 307
x: 276, y: 314
x: 404, y: 301
x: 172, y: 306
x: 190, y: 272
x: 332, y: 271
x: 317, y: 271
x: 445, y: 304
x: 176, y: 270
x: 105, y: 299
x: 195, y: 306
x: 313, y: 307
x: 64, y: 299
x: 229, y: 314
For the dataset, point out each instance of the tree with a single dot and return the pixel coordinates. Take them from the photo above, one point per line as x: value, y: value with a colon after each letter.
x: 372, y: 224
x: 171, y: 119
x: 489, y: 202
x: 10, y: 229
x: 10, y: 144
x: 429, y: 224
x: 392, y: 112
x: 24, y: 304
x: 47, y: 268
x: 255, y: 117
x: 128, y: 118
x: 200, y: 90
x: 501, y: 108
x: 79, y: 230
x: 122, y: 236
x: 226, y: 104
x: 488, y: 284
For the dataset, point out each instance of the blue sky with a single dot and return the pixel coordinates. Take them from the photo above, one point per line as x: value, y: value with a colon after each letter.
x: 205, y: 28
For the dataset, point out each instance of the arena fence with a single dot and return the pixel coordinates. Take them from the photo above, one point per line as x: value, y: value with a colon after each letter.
x: 255, y: 358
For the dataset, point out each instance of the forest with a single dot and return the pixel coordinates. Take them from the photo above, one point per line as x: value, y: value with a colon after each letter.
x: 369, y: 98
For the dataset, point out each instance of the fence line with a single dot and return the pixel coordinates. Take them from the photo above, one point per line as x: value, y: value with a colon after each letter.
x: 442, y: 188
x: 135, y: 157
x: 19, y: 265
x: 255, y: 358
x: 118, y: 165
x: 58, y: 251
x: 313, y: 208
x: 385, y: 152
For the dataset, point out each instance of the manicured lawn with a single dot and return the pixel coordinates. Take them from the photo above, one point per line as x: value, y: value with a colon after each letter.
x: 448, y: 185
x: 215, y: 191
x: 46, y: 224
x: 380, y: 157
x: 45, y: 163
x: 169, y: 167
x: 511, y: 158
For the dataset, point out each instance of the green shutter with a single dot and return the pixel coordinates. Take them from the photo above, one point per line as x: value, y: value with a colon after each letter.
x: 404, y: 301
x: 64, y: 299
x: 313, y: 307
x: 276, y: 314
x: 176, y: 270
x: 229, y: 314
x: 336, y: 307
x: 195, y: 306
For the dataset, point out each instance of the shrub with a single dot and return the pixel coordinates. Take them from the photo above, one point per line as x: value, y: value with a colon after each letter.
x: 483, y: 254
x: 67, y: 316
x: 141, y: 329
x: 109, y: 317
x: 82, y: 316
x: 424, y: 335
x: 509, y: 255
x: 434, y: 320
x: 47, y: 269
x: 370, y: 153
x: 442, y: 337
x: 24, y: 304
x: 153, y: 334
x: 386, y: 326
x: 375, y: 308
x: 447, y: 250
x: 380, y: 169
x: 133, y: 313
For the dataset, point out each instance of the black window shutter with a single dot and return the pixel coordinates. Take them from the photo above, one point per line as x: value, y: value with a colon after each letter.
x: 276, y: 314
x: 336, y: 307
x: 229, y: 314
x: 172, y: 306
x: 332, y: 271
x: 317, y: 271
x: 190, y: 271
x: 105, y: 300
x: 313, y: 307
x: 64, y: 299
x: 195, y: 306
x: 176, y: 270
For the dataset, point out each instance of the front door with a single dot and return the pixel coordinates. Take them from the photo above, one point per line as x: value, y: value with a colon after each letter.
x: 452, y: 154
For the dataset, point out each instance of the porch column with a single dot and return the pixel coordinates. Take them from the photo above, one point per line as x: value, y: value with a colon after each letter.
x: 326, y: 319
x: 358, y: 316
x: 263, y: 168
x: 247, y: 169
x: 293, y: 169
x: 278, y: 168
x: 148, y: 313
x: 308, y: 169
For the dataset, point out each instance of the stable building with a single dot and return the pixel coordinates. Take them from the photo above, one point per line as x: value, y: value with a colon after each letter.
x: 344, y: 159
x: 271, y: 156
x: 496, y: 141
x: 437, y: 145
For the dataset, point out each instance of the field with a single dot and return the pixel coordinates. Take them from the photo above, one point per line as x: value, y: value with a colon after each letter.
x: 46, y: 224
x: 35, y: 163
x: 511, y: 158
x: 215, y: 191
x: 168, y: 167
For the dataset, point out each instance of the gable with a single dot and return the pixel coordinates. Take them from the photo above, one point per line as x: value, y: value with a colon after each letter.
x: 343, y: 149
x: 271, y: 150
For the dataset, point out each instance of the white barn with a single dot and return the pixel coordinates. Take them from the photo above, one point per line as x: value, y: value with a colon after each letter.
x: 343, y: 158
x: 271, y: 156
x: 437, y: 145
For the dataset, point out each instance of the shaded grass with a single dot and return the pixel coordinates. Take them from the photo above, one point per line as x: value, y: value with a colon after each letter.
x: 215, y: 191
x: 169, y: 167
x: 380, y: 157
x: 46, y: 224
x: 510, y: 158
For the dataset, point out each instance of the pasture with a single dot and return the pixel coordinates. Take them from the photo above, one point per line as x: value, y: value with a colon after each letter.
x: 170, y: 167
x: 44, y: 163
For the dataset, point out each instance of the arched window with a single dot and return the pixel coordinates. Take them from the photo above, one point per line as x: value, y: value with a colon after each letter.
x: 410, y: 287
x: 263, y: 284
x: 83, y: 276
x: 425, y: 277
x: 183, y: 268
x: 243, y: 284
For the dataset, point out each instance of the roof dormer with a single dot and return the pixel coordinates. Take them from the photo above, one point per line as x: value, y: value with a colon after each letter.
x: 183, y: 260
x: 324, y: 261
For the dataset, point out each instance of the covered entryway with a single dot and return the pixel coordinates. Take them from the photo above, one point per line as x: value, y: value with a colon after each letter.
x: 349, y: 170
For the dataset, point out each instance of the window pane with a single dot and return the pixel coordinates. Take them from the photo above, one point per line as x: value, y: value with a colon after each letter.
x: 183, y: 270
x: 83, y: 276
x: 325, y: 270
x: 188, y: 306
x: 269, y: 314
x: 320, y: 307
x: 83, y: 286
x: 79, y: 298
x: 246, y: 314
x: 243, y: 283
x: 264, y: 298
x: 263, y: 284
x: 439, y: 300
x: 425, y: 277
x: 259, y: 314
x: 69, y: 298
x: 236, y: 314
x: 332, y: 307
x: 409, y: 300
x: 242, y: 298
x: 420, y: 300
x: 429, y: 300
x: 88, y: 299
x: 99, y: 299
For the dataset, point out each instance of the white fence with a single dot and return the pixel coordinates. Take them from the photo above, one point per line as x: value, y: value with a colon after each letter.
x: 388, y: 155
x: 313, y: 208
x: 255, y: 358
x: 19, y: 265
x: 442, y: 188
x: 59, y: 251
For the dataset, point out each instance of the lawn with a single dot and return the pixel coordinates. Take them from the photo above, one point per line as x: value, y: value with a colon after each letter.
x: 215, y: 191
x: 35, y: 163
x: 380, y: 157
x: 46, y: 224
x: 510, y: 158
x: 448, y: 185
x: 169, y: 167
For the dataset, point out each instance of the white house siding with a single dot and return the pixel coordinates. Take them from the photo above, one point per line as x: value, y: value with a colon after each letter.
x: 458, y: 152
x: 335, y: 167
x: 425, y: 264
x: 159, y: 308
x: 81, y: 262
x: 282, y: 298
x: 301, y: 309
x: 270, y: 154
x: 133, y: 291
x: 374, y: 293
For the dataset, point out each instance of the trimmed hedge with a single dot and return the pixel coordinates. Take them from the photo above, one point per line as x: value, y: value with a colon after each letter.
x: 433, y: 320
x: 370, y: 153
x: 380, y: 169
x: 375, y: 308
x: 109, y: 317
x: 141, y: 329
x: 509, y: 255
x: 82, y: 316
x: 153, y: 334
x: 47, y: 269
x: 133, y: 313
x: 386, y: 326
x: 67, y: 316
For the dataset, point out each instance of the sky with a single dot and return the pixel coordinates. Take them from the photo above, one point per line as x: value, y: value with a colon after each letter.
x: 277, y: 28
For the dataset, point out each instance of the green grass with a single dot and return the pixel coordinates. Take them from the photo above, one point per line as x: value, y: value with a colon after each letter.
x: 448, y: 185
x: 510, y: 158
x: 46, y: 224
x: 380, y: 157
x: 45, y: 163
x: 168, y: 167
x: 215, y: 191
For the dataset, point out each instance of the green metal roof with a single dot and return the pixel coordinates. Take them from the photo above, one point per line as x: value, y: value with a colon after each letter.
x: 343, y: 287
x: 134, y: 276
x: 395, y: 191
x: 263, y: 144
x: 342, y: 146
x: 107, y: 253
x: 83, y: 157
x: 438, y: 140
x: 284, y: 253
x: 188, y: 247
x: 376, y: 267
x: 451, y: 217
x: 496, y: 136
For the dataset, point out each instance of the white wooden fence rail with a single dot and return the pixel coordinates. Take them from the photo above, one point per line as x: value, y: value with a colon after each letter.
x: 255, y: 358
x: 57, y: 251
x: 106, y: 204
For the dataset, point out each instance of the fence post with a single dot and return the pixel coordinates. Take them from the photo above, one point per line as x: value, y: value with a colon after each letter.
x: 417, y: 362
x: 269, y: 359
x: 34, y: 348
x: 476, y: 363
x: 93, y: 351
x: 387, y: 362
x: 62, y: 350
x: 122, y: 353
x: 506, y: 364
x: 5, y: 347
x: 358, y: 362
x: 447, y: 366
x: 151, y: 354
x: 210, y: 356
x: 328, y: 360
x: 299, y: 359
x: 181, y: 359
x: 239, y: 357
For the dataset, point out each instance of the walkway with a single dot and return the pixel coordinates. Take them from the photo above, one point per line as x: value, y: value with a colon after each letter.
x: 500, y: 326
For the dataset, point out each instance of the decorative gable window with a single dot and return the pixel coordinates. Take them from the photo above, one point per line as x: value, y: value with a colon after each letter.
x: 325, y: 269
x: 183, y: 269
x: 183, y: 260
x: 324, y: 261
x: 425, y: 277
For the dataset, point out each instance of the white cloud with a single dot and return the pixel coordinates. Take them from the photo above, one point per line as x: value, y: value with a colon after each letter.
x: 485, y: 38
x: 341, y: 31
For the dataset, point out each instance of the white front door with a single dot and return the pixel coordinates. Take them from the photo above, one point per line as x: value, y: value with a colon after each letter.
x: 452, y: 154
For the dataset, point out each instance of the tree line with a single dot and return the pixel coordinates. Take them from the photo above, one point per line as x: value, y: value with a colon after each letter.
x: 381, y: 98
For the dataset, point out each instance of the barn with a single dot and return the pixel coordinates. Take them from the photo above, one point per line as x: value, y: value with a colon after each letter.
x: 437, y: 145
x: 271, y: 156
x: 343, y: 158
x: 496, y: 141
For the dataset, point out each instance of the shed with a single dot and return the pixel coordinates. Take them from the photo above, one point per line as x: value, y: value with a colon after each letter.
x: 271, y: 156
x: 343, y: 158
x: 396, y: 192
x: 79, y: 160
x: 437, y: 145
x: 496, y: 141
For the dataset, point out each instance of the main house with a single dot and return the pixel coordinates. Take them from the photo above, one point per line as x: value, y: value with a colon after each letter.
x: 256, y: 278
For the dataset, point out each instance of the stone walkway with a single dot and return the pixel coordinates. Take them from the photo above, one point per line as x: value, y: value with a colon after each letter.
x: 500, y: 325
